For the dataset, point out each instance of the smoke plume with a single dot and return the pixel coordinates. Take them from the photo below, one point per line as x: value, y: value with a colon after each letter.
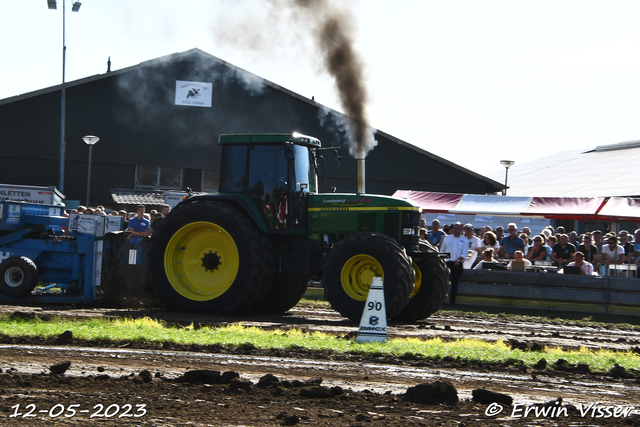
x: 334, y: 34
x: 333, y: 30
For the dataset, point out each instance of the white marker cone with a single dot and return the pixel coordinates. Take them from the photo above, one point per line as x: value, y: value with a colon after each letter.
x: 373, y: 326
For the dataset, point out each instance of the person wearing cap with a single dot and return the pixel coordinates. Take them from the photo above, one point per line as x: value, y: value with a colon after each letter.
x: 499, y: 233
x: 435, y: 235
x: 475, y: 244
x: 456, y: 245
x: 511, y: 243
x: 423, y: 233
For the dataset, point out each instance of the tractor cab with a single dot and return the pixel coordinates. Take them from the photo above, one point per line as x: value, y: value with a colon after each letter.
x: 275, y: 171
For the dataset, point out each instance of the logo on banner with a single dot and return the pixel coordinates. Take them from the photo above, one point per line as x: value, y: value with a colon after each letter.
x: 193, y: 94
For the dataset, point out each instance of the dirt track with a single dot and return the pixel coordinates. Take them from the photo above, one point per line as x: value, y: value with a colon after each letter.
x: 309, y: 388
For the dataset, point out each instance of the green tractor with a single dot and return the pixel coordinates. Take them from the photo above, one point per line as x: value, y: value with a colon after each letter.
x: 253, y: 246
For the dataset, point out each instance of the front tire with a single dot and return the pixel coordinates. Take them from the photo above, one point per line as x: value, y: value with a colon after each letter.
x: 430, y: 285
x: 354, y: 262
x: 18, y: 276
x: 209, y: 257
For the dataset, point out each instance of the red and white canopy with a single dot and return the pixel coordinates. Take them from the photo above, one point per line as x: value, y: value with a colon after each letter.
x: 575, y: 208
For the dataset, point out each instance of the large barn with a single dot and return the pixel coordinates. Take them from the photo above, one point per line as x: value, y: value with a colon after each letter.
x: 158, y: 124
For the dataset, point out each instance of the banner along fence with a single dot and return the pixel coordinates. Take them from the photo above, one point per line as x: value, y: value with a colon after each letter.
x: 549, y: 291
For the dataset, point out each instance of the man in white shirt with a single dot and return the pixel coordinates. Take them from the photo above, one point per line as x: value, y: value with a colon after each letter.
x: 612, y: 253
x: 586, y: 268
x: 474, y: 245
x: 457, y: 246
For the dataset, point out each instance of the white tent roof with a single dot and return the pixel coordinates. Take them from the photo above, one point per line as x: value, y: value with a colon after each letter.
x: 607, y: 171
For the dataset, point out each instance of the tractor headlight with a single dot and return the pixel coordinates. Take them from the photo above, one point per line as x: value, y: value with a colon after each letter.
x: 408, y: 231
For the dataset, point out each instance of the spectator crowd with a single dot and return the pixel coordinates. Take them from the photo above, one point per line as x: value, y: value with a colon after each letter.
x: 555, y: 245
x: 590, y: 253
x: 139, y: 223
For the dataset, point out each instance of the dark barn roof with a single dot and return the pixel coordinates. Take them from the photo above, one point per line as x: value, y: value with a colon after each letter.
x: 134, y: 112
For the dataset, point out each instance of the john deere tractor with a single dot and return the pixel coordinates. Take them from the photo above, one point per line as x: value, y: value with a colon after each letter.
x: 253, y: 246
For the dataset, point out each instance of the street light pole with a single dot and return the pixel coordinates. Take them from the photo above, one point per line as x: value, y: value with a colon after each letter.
x: 507, y: 164
x: 90, y: 140
x: 63, y: 98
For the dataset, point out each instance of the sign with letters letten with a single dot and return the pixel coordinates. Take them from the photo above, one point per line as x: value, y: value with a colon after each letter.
x: 193, y: 94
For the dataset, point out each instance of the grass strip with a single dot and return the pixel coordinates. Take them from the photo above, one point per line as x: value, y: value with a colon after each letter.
x: 147, y: 330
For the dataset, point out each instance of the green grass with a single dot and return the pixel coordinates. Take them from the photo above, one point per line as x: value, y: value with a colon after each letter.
x: 555, y: 317
x: 148, y: 330
x: 526, y: 315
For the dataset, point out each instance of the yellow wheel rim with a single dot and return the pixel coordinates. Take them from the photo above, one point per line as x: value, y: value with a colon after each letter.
x: 201, y: 261
x: 417, y: 280
x: 358, y: 273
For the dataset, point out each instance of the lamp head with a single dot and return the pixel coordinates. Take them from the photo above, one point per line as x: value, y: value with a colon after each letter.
x: 507, y: 163
x: 90, y: 139
x: 52, y: 4
x: 76, y: 6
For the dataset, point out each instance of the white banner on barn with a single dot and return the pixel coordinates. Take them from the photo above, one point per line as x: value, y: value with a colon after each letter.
x: 193, y: 94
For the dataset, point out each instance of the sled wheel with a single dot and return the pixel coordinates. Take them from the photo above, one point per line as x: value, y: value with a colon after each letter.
x: 18, y: 276
x: 208, y: 256
x: 430, y: 285
x: 354, y: 262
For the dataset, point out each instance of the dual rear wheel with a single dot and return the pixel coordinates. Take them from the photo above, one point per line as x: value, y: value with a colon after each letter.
x: 208, y: 257
x: 354, y: 262
x: 414, y: 288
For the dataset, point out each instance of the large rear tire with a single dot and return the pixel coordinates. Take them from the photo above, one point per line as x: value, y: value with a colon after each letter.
x: 284, y: 294
x: 430, y: 285
x: 18, y: 276
x: 208, y: 256
x: 354, y: 262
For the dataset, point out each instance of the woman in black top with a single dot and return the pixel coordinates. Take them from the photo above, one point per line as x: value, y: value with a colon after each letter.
x: 537, y: 252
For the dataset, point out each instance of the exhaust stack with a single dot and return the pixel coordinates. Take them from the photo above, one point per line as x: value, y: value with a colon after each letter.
x: 360, y: 176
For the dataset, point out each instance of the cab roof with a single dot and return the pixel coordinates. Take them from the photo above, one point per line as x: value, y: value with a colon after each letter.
x: 268, y: 138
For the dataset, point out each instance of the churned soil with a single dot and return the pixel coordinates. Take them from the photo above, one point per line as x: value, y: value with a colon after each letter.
x: 66, y: 381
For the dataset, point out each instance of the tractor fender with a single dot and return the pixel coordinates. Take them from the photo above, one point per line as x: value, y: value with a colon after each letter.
x: 234, y: 200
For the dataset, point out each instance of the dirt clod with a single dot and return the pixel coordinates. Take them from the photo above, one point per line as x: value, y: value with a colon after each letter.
x: 486, y: 397
x: 146, y: 376
x: 60, y: 368
x: 315, y: 391
x: 433, y: 393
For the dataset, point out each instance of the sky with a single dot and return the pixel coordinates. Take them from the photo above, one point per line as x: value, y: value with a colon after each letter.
x: 474, y: 82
